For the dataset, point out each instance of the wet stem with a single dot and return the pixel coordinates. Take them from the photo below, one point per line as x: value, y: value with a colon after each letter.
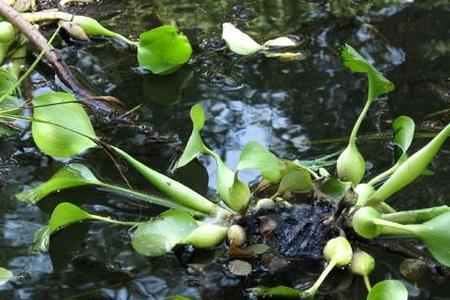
x: 395, y: 227
x: 313, y: 289
x: 151, y: 199
x: 367, y: 282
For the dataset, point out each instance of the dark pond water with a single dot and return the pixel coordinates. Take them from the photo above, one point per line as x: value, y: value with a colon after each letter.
x: 295, y: 108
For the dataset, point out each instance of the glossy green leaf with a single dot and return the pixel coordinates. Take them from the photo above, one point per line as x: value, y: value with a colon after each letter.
x: 163, y: 50
x: 5, y: 276
x: 435, y: 234
x: 160, y: 235
x: 72, y: 175
x: 388, y: 290
x: 403, y: 127
x: 278, y: 291
x: 229, y: 187
x: 333, y: 188
x: 195, y: 145
x: 238, y: 41
x: 378, y: 84
x: 66, y: 214
x: 41, y: 240
x: 225, y: 179
x: 410, y: 169
x: 239, y: 195
x: 255, y: 156
x: 297, y: 180
x: 61, y: 128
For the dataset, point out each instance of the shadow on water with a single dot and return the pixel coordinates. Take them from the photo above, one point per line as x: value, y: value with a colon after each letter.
x: 283, y: 105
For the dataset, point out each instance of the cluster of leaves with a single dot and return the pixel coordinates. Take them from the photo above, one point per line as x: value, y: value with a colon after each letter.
x: 62, y: 128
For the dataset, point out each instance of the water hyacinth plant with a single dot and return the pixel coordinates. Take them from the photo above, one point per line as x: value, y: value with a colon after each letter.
x: 61, y: 128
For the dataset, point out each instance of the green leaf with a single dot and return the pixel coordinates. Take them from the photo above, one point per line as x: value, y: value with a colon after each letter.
x: 295, y: 179
x: 66, y: 214
x: 333, y: 188
x: 160, y: 235
x: 278, y: 291
x: 163, y: 50
x: 239, y: 42
x: 5, y: 276
x: 60, y: 127
x: 255, y: 156
x: 239, y: 195
x: 72, y: 175
x: 388, y: 290
x: 378, y: 84
x: 410, y: 169
x: 41, y: 239
x: 403, y: 127
x: 226, y: 178
x: 195, y: 145
x: 229, y: 187
x: 435, y: 234
x: 7, y: 81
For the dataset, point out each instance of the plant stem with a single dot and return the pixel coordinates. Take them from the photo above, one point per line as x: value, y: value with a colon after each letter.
x: 150, y: 198
x: 41, y: 16
x: 109, y: 220
x: 415, y: 216
x: 358, y: 122
x: 382, y: 176
x: 386, y: 208
x: 389, y: 227
x: 172, y: 188
x: 367, y: 282
x: 313, y: 289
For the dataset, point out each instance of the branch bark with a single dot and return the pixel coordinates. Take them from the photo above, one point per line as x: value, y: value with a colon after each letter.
x: 41, y: 43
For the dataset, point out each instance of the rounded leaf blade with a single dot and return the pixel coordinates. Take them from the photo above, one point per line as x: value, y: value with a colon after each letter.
x: 163, y: 50
x: 160, y: 235
x: 388, y: 290
x: 60, y: 127
x: 66, y: 214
